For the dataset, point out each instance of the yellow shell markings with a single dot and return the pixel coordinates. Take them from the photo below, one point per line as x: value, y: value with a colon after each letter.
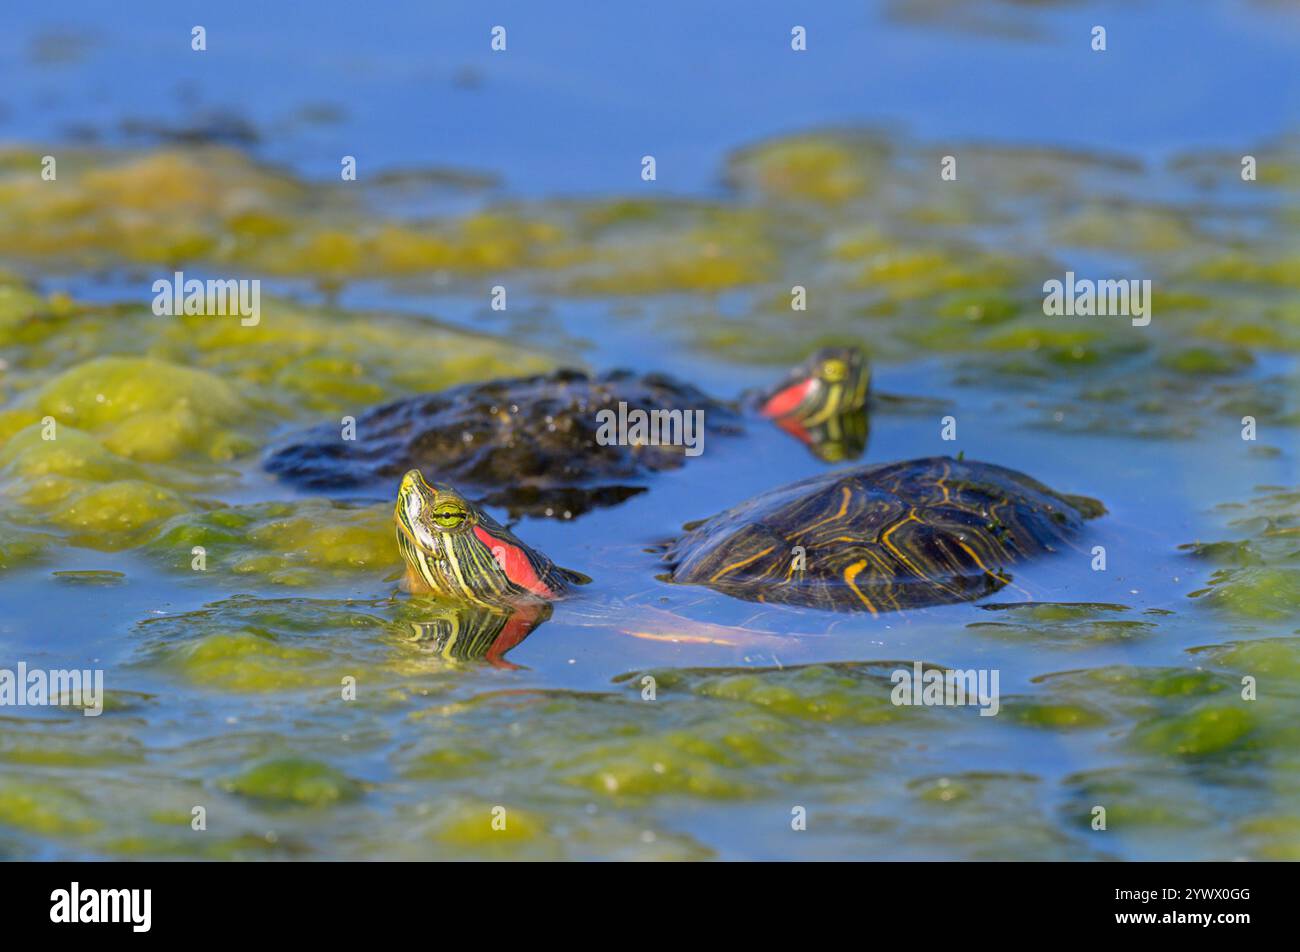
x: 889, y: 536
x: 850, y: 576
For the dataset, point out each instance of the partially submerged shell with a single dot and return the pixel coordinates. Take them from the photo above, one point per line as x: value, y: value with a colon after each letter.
x: 529, y: 443
x: 882, y: 537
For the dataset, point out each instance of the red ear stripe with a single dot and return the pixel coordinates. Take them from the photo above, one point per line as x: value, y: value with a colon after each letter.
x: 514, y: 563
x: 785, y: 401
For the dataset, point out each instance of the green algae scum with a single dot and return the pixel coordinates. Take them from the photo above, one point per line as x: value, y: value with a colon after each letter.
x: 198, y: 507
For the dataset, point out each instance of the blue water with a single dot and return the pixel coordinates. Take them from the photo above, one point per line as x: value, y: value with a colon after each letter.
x: 584, y: 90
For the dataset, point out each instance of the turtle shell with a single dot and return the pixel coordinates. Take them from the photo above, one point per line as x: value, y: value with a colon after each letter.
x: 880, y: 538
x: 528, y: 443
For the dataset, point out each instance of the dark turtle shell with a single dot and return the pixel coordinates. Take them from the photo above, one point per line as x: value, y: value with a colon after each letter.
x: 880, y: 538
x: 527, y: 443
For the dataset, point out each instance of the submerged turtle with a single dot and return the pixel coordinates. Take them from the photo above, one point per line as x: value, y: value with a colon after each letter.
x: 880, y: 538
x: 535, y: 444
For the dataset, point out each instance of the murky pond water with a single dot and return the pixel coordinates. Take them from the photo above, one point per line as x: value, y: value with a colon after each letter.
x: 1164, y: 687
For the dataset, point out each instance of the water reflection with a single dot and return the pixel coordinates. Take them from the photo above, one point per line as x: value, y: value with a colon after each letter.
x: 471, y: 634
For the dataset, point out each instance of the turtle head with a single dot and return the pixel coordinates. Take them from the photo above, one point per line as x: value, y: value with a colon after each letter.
x: 456, y: 551
x: 833, y: 380
x: 426, y: 512
x: 823, y: 403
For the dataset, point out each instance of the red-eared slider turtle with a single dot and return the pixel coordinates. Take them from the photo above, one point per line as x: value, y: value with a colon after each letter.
x: 455, y: 550
x: 535, y: 444
x: 489, y: 590
x: 880, y: 538
x: 876, y: 538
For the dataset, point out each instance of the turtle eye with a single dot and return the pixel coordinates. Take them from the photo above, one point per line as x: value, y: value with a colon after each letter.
x: 835, y: 370
x: 448, y: 515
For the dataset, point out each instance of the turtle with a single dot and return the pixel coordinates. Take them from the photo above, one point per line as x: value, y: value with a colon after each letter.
x: 881, y: 537
x: 878, y: 538
x: 534, y: 445
x: 455, y: 550
x: 487, y: 590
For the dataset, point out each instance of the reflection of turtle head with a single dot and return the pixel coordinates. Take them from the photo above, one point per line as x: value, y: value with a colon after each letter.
x: 456, y: 551
x: 823, y: 403
x: 465, y: 633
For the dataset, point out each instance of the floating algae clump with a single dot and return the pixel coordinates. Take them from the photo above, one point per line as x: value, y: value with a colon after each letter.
x: 253, y: 645
x: 295, y: 780
x: 140, y: 408
x: 472, y: 824
x: 217, y: 206
x: 1208, y: 730
x: 189, y: 369
x: 824, y: 170
x: 246, y: 661
x: 1072, y: 625
x: 848, y: 693
x: 684, y: 246
x: 1259, y: 576
x: 45, y: 809
x: 73, y: 483
x: 284, y: 543
x: 103, y: 448
x: 160, y: 207
x: 19, y: 546
x: 17, y: 303
x: 115, y: 508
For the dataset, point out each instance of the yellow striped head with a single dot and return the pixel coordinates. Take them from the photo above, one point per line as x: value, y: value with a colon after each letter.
x: 424, y: 513
x: 454, y: 550
x: 833, y: 381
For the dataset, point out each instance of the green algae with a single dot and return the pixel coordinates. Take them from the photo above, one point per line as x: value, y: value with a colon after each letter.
x: 1274, y: 837
x: 1259, y: 577
x: 295, y: 781
x: 20, y: 546
x: 216, y: 206
x: 144, y: 418
x: 245, y: 661
x: 47, y: 810
x: 1075, y: 625
x: 251, y: 645
x: 91, y: 577
x: 743, y: 738
x: 1211, y: 729
x: 141, y: 409
x: 291, y: 543
x: 1277, y: 659
x: 1136, y: 800
x: 1054, y: 716
x: 810, y: 169
x: 854, y: 693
